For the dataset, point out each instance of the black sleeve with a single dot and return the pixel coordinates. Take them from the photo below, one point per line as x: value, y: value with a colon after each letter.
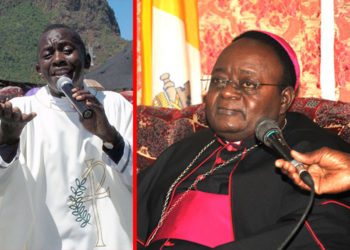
x: 8, y: 152
x: 116, y: 153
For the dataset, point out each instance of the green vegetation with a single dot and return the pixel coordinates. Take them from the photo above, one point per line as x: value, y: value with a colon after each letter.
x: 20, y: 28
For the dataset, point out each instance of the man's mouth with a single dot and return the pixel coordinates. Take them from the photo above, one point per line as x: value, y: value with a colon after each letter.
x: 62, y: 72
x: 230, y: 112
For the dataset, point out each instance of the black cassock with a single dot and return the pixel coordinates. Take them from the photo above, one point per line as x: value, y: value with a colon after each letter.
x: 265, y: 204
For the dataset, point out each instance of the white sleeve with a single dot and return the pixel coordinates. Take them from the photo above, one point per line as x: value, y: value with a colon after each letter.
x: 16, y: 192
x: 120, y: 115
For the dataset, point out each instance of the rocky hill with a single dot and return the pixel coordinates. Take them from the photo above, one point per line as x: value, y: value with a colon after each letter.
x: 22, y: 22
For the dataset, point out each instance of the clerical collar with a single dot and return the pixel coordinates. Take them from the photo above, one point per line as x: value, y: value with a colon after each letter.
x: 246, y: 142
x: 224, y: 142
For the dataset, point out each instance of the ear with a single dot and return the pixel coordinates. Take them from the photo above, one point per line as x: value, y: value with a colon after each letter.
x: 37, y: 67
x: 287, y: 98
x: 87, y: 61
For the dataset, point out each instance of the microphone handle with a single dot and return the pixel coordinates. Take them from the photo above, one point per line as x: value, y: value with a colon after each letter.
x: 283, y: 148
x: 80, y: 106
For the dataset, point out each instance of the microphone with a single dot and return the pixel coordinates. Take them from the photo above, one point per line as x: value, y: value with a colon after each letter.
x: 65, y: 85
x: 268, y: 132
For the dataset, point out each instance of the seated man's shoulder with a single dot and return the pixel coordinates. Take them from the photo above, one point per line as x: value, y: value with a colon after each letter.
x: 197, y: 139
x: 303, y: 131
x: 300, y: 121
x: 190, y: 144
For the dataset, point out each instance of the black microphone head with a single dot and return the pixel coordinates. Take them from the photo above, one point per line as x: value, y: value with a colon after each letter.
x: 63, y: 81
x: 264, y: 128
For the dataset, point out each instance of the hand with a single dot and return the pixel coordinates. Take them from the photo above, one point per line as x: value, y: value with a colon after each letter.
x: 12, y: 123
x: 98, y: 124
x: 330, y: 170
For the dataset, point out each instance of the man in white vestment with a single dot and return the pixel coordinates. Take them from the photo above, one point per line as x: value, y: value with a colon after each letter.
x: 65, y: 181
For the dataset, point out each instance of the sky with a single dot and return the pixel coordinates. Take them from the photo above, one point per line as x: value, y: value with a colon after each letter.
x: 123, y: 13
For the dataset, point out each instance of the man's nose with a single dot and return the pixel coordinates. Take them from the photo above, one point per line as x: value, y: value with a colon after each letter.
x: 58, y: 58
x: 231, y: 90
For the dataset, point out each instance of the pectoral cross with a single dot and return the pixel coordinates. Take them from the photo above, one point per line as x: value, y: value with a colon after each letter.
x: 96, y: 192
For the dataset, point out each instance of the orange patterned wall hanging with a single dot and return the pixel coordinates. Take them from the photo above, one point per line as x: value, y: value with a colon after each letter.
x: 298, y: 22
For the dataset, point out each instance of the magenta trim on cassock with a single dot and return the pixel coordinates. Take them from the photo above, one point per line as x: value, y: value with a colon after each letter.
x: 203, y: 218
x: 290, y: 52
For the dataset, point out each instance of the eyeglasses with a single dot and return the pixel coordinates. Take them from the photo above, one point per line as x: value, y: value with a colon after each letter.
x: 247, y: 86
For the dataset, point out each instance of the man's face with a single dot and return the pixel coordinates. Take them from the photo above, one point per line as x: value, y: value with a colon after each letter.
x: 59, y: 54
x: 232, y: 112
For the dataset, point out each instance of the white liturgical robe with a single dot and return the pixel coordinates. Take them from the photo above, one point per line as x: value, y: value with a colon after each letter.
x: 62, y: 191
